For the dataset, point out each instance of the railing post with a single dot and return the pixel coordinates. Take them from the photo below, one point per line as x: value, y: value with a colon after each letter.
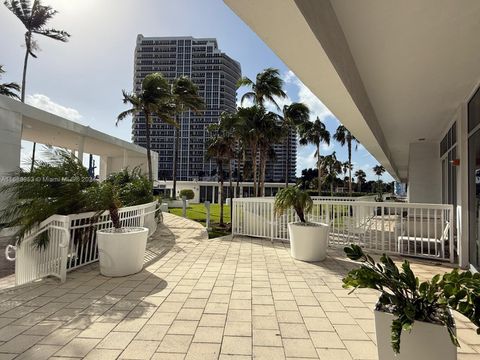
x: 64, y: 250
x: 451, y: 233
x: 207, y: 220
x: 184, y: 206
x: 272, y: 220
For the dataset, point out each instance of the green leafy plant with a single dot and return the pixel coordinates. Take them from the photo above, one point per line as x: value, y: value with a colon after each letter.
x: 188, y: 193
x: 290, y: 197
x: 409, y: 300
x: 106, y: 196
x: 133, y: 187
x: 56, y: 185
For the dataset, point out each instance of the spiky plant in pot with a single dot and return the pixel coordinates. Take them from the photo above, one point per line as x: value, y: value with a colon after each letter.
x: 308, y: 240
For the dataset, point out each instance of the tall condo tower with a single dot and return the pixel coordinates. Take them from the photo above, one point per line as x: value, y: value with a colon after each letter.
x: 215, y: 74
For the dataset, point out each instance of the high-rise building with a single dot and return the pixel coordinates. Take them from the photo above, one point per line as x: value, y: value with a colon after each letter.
x: 215, y: 74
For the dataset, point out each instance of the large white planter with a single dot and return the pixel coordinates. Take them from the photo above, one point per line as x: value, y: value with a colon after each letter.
x: 426, y: 341
x: 121, y: 253
x: 308, y: 242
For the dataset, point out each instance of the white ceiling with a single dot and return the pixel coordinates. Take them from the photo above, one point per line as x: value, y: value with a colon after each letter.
x: 418, y: 61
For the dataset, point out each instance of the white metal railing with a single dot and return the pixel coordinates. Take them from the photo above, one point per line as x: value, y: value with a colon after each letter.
x: 421, y: 230
x: 72, y: 242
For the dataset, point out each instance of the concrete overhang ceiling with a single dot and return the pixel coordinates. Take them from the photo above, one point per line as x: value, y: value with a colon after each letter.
x: 391, y: 71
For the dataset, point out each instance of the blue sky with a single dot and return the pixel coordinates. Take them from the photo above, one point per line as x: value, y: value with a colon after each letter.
x: 83, y: 79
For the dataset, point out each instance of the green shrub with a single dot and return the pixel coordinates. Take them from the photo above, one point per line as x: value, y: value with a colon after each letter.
x: 409, y: 300
x: 188, y: 193
x: 134, y: 188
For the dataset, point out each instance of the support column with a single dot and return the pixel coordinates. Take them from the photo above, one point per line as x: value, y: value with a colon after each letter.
x: 81, y: 146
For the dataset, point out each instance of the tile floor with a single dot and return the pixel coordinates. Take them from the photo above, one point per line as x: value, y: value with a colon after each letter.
x: 201, y: 299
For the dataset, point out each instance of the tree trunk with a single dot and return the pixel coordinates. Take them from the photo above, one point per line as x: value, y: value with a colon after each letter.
x: 149, y: 155
x: 319, y: 171
x: 287, y: 156
x: 175, y: 160
x: 350, y: 167
x: 28, y: 38
x: 263, y: 165
x: 220, y: 170
x: 253, y: 150
x: 237, y: 190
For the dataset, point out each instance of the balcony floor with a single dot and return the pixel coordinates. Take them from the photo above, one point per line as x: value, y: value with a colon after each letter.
x: 201, y: 299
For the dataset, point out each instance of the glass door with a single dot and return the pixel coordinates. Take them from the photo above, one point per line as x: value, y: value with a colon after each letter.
x: 474, y: 198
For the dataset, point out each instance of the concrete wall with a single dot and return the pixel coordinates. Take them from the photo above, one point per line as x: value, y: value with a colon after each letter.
x: 10, y: 144
x: 112, y: 164
x: 424, y: 173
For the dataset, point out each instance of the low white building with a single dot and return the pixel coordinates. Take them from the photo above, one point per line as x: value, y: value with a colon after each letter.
x: 403, y: 76
x: 19, y: 121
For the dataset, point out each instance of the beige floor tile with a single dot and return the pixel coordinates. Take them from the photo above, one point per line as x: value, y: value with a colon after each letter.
x: 39, y: 352
x: 334, y: 354
x: 268, y: 353
x: 175, y: 344
x: 60, y: 336
x: 152, y: 332
x: 361, y: 349
x: 118, y: 340
x: 208, y: 335
x: 236, y: 345
x: 162, y: 318
x: 299, y: 348
x: 140, y: 349
x: 293, y: 331
x: 213, y: 320
x: 19, y: 344
x: 130, y: 324
x: 103, y: 354
x: 265, y: 322
x: 350, y: 332
x: 182, y: 327
x: 78, y: 347
x: 203, y: 351
x: 267, y: 338
x: 170, y: 356
x: 97, y: 330
x: 325, y: 339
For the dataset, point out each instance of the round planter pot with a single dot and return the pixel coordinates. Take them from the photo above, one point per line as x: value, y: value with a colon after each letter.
x: 426, y: 341
x: 121, y: 253
x: 308, y: 242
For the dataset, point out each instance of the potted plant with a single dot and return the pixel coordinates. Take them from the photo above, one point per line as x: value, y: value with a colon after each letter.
x: 413, y: 320
x: 121, y: 250
x: 308, y: 240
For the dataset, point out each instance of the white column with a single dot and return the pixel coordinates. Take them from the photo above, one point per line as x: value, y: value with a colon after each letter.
x: 10, y: 144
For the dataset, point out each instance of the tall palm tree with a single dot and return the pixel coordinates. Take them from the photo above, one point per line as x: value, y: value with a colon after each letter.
x: 35, y: 18
x: 221, y: 148
x: 229, y: 124
x: 270, y: 132
x: 344, y: 136
x: 185, y: 97
x: 361, y: 178
x: 153, y: 99
x: 268, y: 85
x: 378, y: 170
x: 331, y: 167
x: 315, y: 133
x: 293, y: 116
x: 347, y: 168
x: 8, y: 89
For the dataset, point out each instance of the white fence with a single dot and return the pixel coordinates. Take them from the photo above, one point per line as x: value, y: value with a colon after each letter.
x: 420, y: 230
x: 72, y: 242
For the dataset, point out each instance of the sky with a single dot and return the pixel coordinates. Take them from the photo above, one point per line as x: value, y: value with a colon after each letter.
x: 82, y: 79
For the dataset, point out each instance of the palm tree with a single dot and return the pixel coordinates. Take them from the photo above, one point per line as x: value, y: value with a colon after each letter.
x: 315, y: 133
x: 347, y: 168
x: 268, y: 85
x: 221, y: 148
x: 35, y: 18
x: 378, y: 170
x: 361, y: 178
x: 293, y: 116
x: 344, y: 136
x: 185, y: 97
x: 229, y: 124
x: 8, y: 89
x: 269, y: 132
x: 331, y: 166
x: 153, y: 99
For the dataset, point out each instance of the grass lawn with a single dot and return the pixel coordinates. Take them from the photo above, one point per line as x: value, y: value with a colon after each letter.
x: 197, y: 212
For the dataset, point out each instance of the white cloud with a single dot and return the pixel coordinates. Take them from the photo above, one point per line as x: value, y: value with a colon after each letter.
x: 45, y: 103
x: 306, y: 159
x: 326, y: 147
x: 317, y: 108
